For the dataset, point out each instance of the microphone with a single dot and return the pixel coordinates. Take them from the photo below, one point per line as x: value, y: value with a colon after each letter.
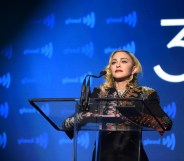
x: 102, y: 73
x: 83, y: 91
x: 86, y: 92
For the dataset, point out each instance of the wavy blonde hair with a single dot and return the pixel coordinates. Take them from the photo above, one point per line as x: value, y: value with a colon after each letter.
x: 109, y: 78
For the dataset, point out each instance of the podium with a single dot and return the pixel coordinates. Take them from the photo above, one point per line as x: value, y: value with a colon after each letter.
x: 102, y: 116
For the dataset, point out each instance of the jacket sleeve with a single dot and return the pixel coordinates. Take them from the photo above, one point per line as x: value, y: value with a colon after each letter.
x: 152, y: 115
x: 152, y: 107
x: 68, y: 123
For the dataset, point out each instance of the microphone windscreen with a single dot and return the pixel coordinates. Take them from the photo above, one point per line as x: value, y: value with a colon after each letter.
x: 103, y: 73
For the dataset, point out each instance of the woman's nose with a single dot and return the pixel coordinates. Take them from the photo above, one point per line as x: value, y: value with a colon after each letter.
x: 117, y: 65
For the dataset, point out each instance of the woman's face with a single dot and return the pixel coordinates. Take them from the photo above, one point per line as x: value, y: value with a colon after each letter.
x: 122, y: 66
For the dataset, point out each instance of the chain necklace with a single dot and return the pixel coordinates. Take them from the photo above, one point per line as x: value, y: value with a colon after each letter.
x: 120, y: 92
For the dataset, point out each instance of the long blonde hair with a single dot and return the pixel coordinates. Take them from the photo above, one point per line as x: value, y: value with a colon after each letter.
x: 109, y: 78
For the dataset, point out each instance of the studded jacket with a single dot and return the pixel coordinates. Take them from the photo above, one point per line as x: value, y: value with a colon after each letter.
x: 151, y: 115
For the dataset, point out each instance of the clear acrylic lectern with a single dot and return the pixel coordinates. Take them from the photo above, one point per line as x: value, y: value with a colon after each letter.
x: 97, y: 120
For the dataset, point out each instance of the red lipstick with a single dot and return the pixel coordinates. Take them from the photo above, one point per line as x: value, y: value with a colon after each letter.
x: 118, y: 70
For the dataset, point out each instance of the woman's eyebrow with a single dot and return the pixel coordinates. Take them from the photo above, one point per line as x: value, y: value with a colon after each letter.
x: 120, y: 58
x: 125, y: 58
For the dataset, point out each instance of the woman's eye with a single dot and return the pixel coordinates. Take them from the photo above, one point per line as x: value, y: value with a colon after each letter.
x: 124, y: 61
x: 113, y: 62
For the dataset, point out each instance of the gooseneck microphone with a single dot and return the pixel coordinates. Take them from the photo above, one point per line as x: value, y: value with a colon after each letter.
x: 102, y: 73
x: 86, y: 92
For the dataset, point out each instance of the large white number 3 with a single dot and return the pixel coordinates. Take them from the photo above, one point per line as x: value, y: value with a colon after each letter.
x: 175, y: 42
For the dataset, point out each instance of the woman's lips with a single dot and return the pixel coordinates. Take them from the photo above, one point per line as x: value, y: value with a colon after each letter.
x: 118, y: 71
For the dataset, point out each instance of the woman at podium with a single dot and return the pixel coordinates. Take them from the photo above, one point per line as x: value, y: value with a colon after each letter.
x: 118, y: 143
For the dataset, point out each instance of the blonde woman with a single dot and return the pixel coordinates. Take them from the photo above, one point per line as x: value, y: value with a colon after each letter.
x: 117, y: 144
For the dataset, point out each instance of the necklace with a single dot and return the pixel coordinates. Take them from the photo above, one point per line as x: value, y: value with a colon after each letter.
x: 120, y: 91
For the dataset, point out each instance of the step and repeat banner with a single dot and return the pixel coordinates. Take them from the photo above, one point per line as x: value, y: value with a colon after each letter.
x: 60, y: 42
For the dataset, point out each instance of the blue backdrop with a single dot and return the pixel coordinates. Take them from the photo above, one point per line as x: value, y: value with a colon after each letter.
x: 48, y: 47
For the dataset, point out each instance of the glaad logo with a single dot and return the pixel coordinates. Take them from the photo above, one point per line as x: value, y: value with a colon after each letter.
x: 7, y: 52
x: 83, y: 140
x: 170, y: 109
x: 4, y: 110
x: 88, y: 20
x: 41, y: 140
x: 5, y: 80
x: 130, y: 19
x: 74, y: 80
x: 44, y: 108
x: 46, y: 50
x: 177, y: 41
x: 86, y: 50
x: 129, y: 47
x: 49, y: 21
x: 169, y: 142
x: 3, y: 140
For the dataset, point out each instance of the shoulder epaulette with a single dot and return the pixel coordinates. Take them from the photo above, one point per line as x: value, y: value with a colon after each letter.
x: 147, y: 90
